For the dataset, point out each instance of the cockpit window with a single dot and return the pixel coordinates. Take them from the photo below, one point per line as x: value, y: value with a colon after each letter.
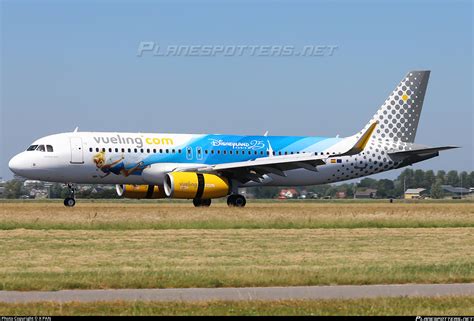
x: 32, y: 147
x: 41, y: 148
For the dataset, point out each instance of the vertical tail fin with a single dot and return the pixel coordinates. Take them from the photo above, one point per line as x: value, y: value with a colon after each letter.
x: 399, y: 115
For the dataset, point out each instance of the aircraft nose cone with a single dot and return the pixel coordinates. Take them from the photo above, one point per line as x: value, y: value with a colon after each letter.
x: 15, y: 164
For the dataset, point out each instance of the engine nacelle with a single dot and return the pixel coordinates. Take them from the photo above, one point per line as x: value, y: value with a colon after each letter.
x: 140, y: 191
x: 195, y: 185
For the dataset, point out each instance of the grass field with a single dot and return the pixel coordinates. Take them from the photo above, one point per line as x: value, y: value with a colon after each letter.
x: 261, y: 215
x: 379, y: 306
x: 131, y: 245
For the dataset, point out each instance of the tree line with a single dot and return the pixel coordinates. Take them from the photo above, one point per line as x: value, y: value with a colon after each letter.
x: 16, y: 189
x: 386, y: 188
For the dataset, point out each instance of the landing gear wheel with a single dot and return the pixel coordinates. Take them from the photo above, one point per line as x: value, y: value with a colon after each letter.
x: 69, y: 202
x: 230, y: 200
x: 199, y: 202
x: 240, y: 201
x: 236, y: 200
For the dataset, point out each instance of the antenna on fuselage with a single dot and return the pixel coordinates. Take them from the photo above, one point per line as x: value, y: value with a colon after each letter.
x: 76, y: 130
x: 266, y: 134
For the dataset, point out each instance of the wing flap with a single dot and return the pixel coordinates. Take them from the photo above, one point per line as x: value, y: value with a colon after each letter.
x: 278, y: 164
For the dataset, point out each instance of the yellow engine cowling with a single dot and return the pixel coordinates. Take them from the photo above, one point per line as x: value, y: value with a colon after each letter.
x: 195, y: 185
x: 140, y: 191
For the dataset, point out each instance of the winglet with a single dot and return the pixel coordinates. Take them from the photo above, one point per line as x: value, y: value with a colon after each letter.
x: 362, y: 142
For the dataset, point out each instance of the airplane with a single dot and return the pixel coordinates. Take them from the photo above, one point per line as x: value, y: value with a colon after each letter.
x: 204, y: 167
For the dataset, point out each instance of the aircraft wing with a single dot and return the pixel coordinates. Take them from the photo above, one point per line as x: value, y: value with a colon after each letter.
x: 253, y: 170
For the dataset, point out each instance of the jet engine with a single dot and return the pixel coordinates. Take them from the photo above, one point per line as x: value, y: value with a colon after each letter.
x: 195, y: 185
x: 140, y: 191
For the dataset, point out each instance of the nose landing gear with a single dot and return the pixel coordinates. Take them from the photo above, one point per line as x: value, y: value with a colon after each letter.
x: 236, y: 200
x: 70, y: 201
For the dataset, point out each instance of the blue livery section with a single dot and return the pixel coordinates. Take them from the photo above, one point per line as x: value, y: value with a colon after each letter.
x: 218, y: 149
x: 209, y: 150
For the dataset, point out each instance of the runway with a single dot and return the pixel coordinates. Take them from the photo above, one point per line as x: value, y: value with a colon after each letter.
x: 239, y: 294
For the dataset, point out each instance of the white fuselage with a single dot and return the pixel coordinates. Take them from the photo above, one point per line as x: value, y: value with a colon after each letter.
x: 131, y: 158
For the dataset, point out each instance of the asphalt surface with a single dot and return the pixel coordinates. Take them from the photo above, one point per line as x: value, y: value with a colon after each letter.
x: 235, y: 294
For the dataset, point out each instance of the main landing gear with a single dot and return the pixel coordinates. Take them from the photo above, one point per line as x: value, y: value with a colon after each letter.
x: 200, y: 202
x: 70, y: 201
x: 233, y: 200
x: 236, y: 200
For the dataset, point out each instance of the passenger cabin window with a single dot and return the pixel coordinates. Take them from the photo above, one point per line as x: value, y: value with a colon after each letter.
x: 31, y: 148
x: 49, y: 148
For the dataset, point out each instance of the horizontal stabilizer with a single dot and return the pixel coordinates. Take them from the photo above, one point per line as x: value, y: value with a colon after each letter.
x: 420, y: 151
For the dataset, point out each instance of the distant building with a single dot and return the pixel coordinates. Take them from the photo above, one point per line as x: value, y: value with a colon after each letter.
x: 287, y: 193
x: 30, y: 183
x: 455, y: 192
x: 365, y: 193
x: 312, y: 195
x: 415, y: 193
x: 38, y: 193
x: 341, y: 194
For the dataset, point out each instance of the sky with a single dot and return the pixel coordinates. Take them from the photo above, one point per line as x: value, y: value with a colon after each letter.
x: 75, y: 63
